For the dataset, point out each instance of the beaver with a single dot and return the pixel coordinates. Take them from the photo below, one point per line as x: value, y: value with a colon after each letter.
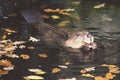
x: 71, y: 42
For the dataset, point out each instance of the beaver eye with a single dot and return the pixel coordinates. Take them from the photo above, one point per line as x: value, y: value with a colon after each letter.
x: 77, y: 34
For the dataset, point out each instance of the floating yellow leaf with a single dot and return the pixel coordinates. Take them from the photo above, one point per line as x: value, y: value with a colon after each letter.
x: 40, y: 72
x: 55, y: 17
x: 33, y: 77
x: 88, y: 75
x: 63, y: 23
x: 56, y: 70
x: 10, y: 30
x: 107, y: 65
x: 34, y: 70
x: 67, y: 63
x: 59, y: 11
x: 76, y: 2
x: 43, y: 55
x: 4, y: 37
x: 99, y: 6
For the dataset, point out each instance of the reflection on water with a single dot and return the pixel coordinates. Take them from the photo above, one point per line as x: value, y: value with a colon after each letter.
x: 103, y: 23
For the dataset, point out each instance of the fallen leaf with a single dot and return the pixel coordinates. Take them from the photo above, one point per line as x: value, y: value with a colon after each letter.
x: 12, y: 55
x: 43, y: 55
x: 55, y: 17
x: 10, y: 30
x: 8, y: 68
x: 56, y: 70
x: 99, y: 6
x: 31, y: 47
x: 18, y: 42
x: 5, y: 63
x: 88, y: 75
x: 76, y: 2
x: 33, y: 39
x: 22, y: 46
x: 4, y: 37
x: 67, y: 63
x: 115, y: 70
x: 40, y: 72
x: 34, y: 70
x: 62, y: 66
x: 109, y: 75
x: 90, y: 69
x: 100, y: 78
x: 68, y: 79
x: 63, y: 23
x: 45, y: 16
x: 68, y: 10
x: 83, y: 71
x: 13, y: 14
x: 35, y: 77
x: 24, y: 56
x: 107, y: 65
x: 3, y: 72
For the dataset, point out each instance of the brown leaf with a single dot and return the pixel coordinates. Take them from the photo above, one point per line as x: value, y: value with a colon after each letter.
x: 109, y: 75
x: 43, y: 55
x: 24, y: 56
x: 56, y: 70
x: 3, y: 72
x: 100, y: 78
x: 67, y: 63
x: 31, y: 47
x: 83, y: 71
x: 5, y: 63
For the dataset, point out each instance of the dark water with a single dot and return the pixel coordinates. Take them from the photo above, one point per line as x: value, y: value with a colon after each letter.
x: 103, y: 23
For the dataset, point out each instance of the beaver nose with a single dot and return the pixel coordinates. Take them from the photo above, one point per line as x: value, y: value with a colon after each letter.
x: 77, y: 34
x: 89, y: 35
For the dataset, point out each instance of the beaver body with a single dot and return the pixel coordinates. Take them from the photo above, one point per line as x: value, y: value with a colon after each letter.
x: 76, y: 41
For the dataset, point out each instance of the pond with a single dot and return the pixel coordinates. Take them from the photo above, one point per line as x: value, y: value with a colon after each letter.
x: 99, y: 18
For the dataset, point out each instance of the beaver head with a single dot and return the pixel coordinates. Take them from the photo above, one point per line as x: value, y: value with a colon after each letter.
x: 82, y: 39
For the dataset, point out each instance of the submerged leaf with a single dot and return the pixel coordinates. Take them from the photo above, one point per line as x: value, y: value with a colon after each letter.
x: 43, y: 55
x: 63, y: 23
x: 31, y: 47
x: 67, y: 63
x: 76, y: 2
